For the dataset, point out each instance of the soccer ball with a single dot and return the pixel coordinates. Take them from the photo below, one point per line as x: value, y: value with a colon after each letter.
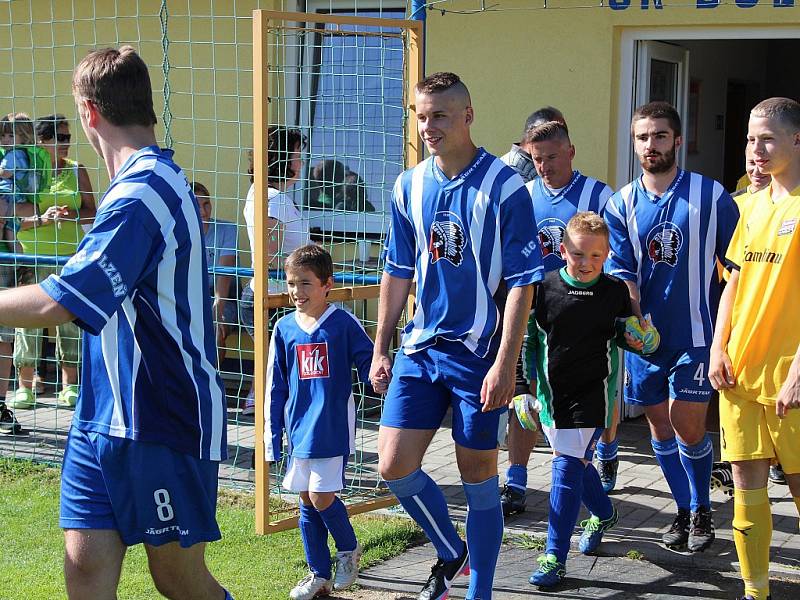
x: 649, y: 337
x: 526, y: 407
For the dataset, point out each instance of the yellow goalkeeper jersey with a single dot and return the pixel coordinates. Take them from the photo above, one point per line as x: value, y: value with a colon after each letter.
x: 765, y: 331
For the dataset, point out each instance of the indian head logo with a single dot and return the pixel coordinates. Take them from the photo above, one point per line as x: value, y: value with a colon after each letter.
x: 551, y: 234
x: 312, y: 360
x: 447, y: 238
x: 664, y: 243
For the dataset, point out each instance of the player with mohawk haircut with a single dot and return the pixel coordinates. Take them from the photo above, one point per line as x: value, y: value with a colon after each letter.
x: 462, y: 226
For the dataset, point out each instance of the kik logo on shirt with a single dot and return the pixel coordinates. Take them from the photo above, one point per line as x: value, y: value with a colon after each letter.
x: 447, y: 238
x: 313, y: 360
x: 664, y: 243
x: 551, y: 234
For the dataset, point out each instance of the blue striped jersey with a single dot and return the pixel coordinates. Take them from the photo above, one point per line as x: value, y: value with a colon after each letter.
x: 310, y: 384
x: 138, y: 287
x: 554, y: 209
x: 462, y: 238
x: 670, y: 247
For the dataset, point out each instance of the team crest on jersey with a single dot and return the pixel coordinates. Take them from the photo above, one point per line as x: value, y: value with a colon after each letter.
x: 551, y: 234
x: 447, y: 238
x: 787, y: 227
x: 664, y: 243
x: 313, y: 360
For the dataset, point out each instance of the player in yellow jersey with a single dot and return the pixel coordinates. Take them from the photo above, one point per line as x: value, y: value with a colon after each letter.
x: 755, y: 356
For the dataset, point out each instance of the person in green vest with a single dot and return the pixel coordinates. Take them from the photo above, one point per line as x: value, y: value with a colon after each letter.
x: 55, y: 229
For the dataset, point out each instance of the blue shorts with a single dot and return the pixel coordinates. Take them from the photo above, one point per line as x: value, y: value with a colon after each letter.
x: 678, y: 374
x: 426, y: 383
x: 147, y: 492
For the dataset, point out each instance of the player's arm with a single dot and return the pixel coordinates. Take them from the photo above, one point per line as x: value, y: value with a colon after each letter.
x: 633, y: 292
x: 393, y: 298
x: 30, y: 307
x: 399, y: 269
x: 720, y: 369
x: 498, y: 385
x: 789, y: 396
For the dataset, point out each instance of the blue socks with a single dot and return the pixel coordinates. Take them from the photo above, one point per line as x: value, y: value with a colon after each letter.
x: 424, y: 502
x: 698, y: 461
x: 670, y: 462
x: 565, y: 503
x: 594, y: 496
x: 608, y: 451
x: 517, y: 477
x: 227, y: 594
x: 338, y: 523
x: 484, y: 534
x: 315, y: 541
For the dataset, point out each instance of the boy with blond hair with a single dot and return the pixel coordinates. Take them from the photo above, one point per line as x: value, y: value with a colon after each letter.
x: 575, y: 328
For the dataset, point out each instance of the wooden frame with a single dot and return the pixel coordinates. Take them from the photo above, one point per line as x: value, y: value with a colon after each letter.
x: 263, y: 21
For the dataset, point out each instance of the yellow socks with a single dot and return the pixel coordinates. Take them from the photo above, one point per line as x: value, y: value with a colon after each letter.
x: 752, y: 533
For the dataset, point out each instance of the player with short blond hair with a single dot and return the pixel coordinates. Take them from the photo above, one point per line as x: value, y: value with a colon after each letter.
x: 755, y: 356
x: 575, y: 327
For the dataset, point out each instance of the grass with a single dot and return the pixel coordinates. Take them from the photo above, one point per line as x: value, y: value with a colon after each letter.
x: 525, y: 541
x: 250, y: 566
x: 634, y: 555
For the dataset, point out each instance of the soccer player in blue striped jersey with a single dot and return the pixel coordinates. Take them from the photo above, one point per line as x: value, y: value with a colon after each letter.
x: 558, y: 194
x: 462, y: 226
x: 142, y: 457
x: 669, y: 228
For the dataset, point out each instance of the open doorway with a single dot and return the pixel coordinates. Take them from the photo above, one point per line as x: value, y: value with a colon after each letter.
x: 714, y: 77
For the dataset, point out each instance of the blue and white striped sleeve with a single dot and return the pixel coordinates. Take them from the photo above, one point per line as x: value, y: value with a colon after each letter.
x: 401, y: 246
x: 522, y: 255
x: 621, y: 261
x: 109, y: 263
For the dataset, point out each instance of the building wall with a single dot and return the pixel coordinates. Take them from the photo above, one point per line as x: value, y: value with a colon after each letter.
x: 521, y: 57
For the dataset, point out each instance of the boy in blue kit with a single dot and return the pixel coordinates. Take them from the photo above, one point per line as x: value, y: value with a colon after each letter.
x: 310, y: 397
x: 149, y: 430
x: 575, y: 328
x: 462, y: 226
x: 669, y: 229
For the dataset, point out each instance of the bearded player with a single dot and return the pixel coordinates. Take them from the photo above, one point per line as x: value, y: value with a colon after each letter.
x: 668, y: 229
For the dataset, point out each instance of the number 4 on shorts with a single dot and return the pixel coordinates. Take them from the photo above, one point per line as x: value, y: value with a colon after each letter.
x: 699, y: 374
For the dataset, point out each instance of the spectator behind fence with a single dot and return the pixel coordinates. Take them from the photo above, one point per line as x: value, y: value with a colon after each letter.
x: 287, y: 229
x: 333, y: 185
x: 16, y: 134
x: 354, y: 195
x: 326, y: 184
x: 16, y: 130
x: 53, y: 230
x: 222, y: 241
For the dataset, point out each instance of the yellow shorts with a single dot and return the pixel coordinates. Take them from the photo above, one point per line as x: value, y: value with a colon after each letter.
x: 750, y: 430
